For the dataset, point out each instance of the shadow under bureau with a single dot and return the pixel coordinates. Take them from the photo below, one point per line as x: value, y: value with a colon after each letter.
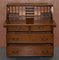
x: 29, y: 29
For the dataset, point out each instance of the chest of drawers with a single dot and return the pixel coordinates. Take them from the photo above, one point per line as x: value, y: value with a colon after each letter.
x: 29, y: 30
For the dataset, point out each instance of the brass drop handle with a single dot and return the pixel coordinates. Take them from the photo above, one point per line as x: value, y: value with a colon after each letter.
x: 15, y: 39
x: 15, y: 51
x: 45, y: 51
x: 44, y: 39
x: 18, y: 28
x: 40, y: 27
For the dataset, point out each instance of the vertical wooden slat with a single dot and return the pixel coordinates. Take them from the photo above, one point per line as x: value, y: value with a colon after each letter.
x: 14, y: 9
x: 8, y: 9
x: 17, y: 9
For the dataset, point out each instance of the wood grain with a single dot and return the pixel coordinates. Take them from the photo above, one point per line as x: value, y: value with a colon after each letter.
x: 29, y: 50
x: 30, y: 38
x: 32, y: 28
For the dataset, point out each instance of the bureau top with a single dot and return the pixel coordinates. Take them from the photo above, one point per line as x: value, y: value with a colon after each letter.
x: 30, y: 4
x: 31, y: 14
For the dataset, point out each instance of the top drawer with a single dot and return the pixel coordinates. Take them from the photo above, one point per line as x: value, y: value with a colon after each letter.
x: 29, y: 28
x: 17, y: 28
x: 41, y: 28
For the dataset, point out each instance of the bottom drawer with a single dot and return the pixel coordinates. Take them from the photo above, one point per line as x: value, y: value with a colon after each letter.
x: 29, y: 50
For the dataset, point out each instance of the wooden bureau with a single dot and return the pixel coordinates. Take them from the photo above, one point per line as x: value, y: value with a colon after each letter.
x: 29, y: 29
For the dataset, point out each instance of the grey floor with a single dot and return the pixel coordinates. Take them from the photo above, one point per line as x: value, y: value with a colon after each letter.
x: 4, y: 57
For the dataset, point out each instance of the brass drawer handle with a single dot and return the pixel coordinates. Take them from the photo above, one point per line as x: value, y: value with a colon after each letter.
x: 40, y: 27
x: 13, y: 38
x: 15, y: 52
x: 18, y: 28
x: 45, y: 51
x: 16, y: 39
x: 44, y: 39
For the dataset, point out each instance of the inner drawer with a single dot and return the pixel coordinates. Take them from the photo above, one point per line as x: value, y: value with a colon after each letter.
x: 29, y: 50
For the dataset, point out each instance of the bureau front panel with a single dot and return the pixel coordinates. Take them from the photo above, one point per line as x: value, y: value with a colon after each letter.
x: 29, y: 38
x: 29, y: 50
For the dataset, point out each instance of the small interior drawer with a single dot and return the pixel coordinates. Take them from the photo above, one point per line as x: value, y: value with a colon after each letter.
x: 30, y: 38
x: 29, y: 50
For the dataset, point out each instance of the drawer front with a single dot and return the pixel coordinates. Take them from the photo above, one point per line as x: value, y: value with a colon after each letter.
x: 29, y: 28
x: 40, y: 28
x: 18, y: 28
x: 29, y: 50
x: 42, y: 38
x: 30, y: 38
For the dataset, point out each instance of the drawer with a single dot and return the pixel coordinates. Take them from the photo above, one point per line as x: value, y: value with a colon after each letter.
x: 42, y: 38
x: 29, y: 28
x: 17, y: 28
x: 29, y: 50
x: 30, y: 38
x: 41, y: 28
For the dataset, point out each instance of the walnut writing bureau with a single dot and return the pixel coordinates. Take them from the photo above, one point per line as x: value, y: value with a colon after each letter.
x: 29, y: 29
